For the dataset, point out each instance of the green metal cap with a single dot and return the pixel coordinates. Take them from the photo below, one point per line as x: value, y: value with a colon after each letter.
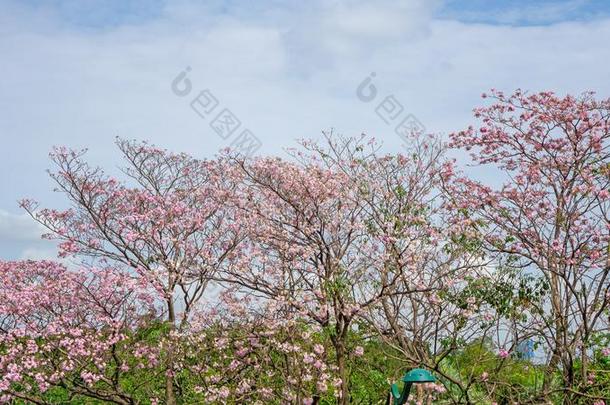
x: 418, y: 375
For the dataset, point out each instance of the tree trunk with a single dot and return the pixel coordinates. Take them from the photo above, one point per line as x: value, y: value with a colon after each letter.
x: 343, y: 373
x: 558, y: 335
x: 170, y: 397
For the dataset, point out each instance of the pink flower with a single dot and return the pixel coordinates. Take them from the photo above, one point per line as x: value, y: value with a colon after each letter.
x: 358, y: 351
x: 322, y: 387
x: 503, y: 353
x: 224, y: 392
x: 308, y: 358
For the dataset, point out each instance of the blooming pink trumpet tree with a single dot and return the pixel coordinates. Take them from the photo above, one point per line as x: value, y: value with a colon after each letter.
x: 169, y: 224
x: 422, y: 311
x: 63, y: 328
x: 307, y: 247
x: 402, y: 201
x: 335, y: 234
x: 550, y: 214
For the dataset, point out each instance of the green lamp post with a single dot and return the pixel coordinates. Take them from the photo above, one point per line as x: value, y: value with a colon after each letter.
x: 415, y: 376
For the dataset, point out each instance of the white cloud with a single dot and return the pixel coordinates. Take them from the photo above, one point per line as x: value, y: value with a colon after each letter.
x: 19, y: 227
x: 380, y: 20
x: 20, y: 238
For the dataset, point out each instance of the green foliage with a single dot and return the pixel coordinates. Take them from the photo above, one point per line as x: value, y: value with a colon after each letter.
x: 473, y: 373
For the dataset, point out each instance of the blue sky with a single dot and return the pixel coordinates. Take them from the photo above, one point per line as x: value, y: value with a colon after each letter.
x: 89, y: 14
x: 524, y: 12
x: 101, y: 14
x: 79, y: 73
